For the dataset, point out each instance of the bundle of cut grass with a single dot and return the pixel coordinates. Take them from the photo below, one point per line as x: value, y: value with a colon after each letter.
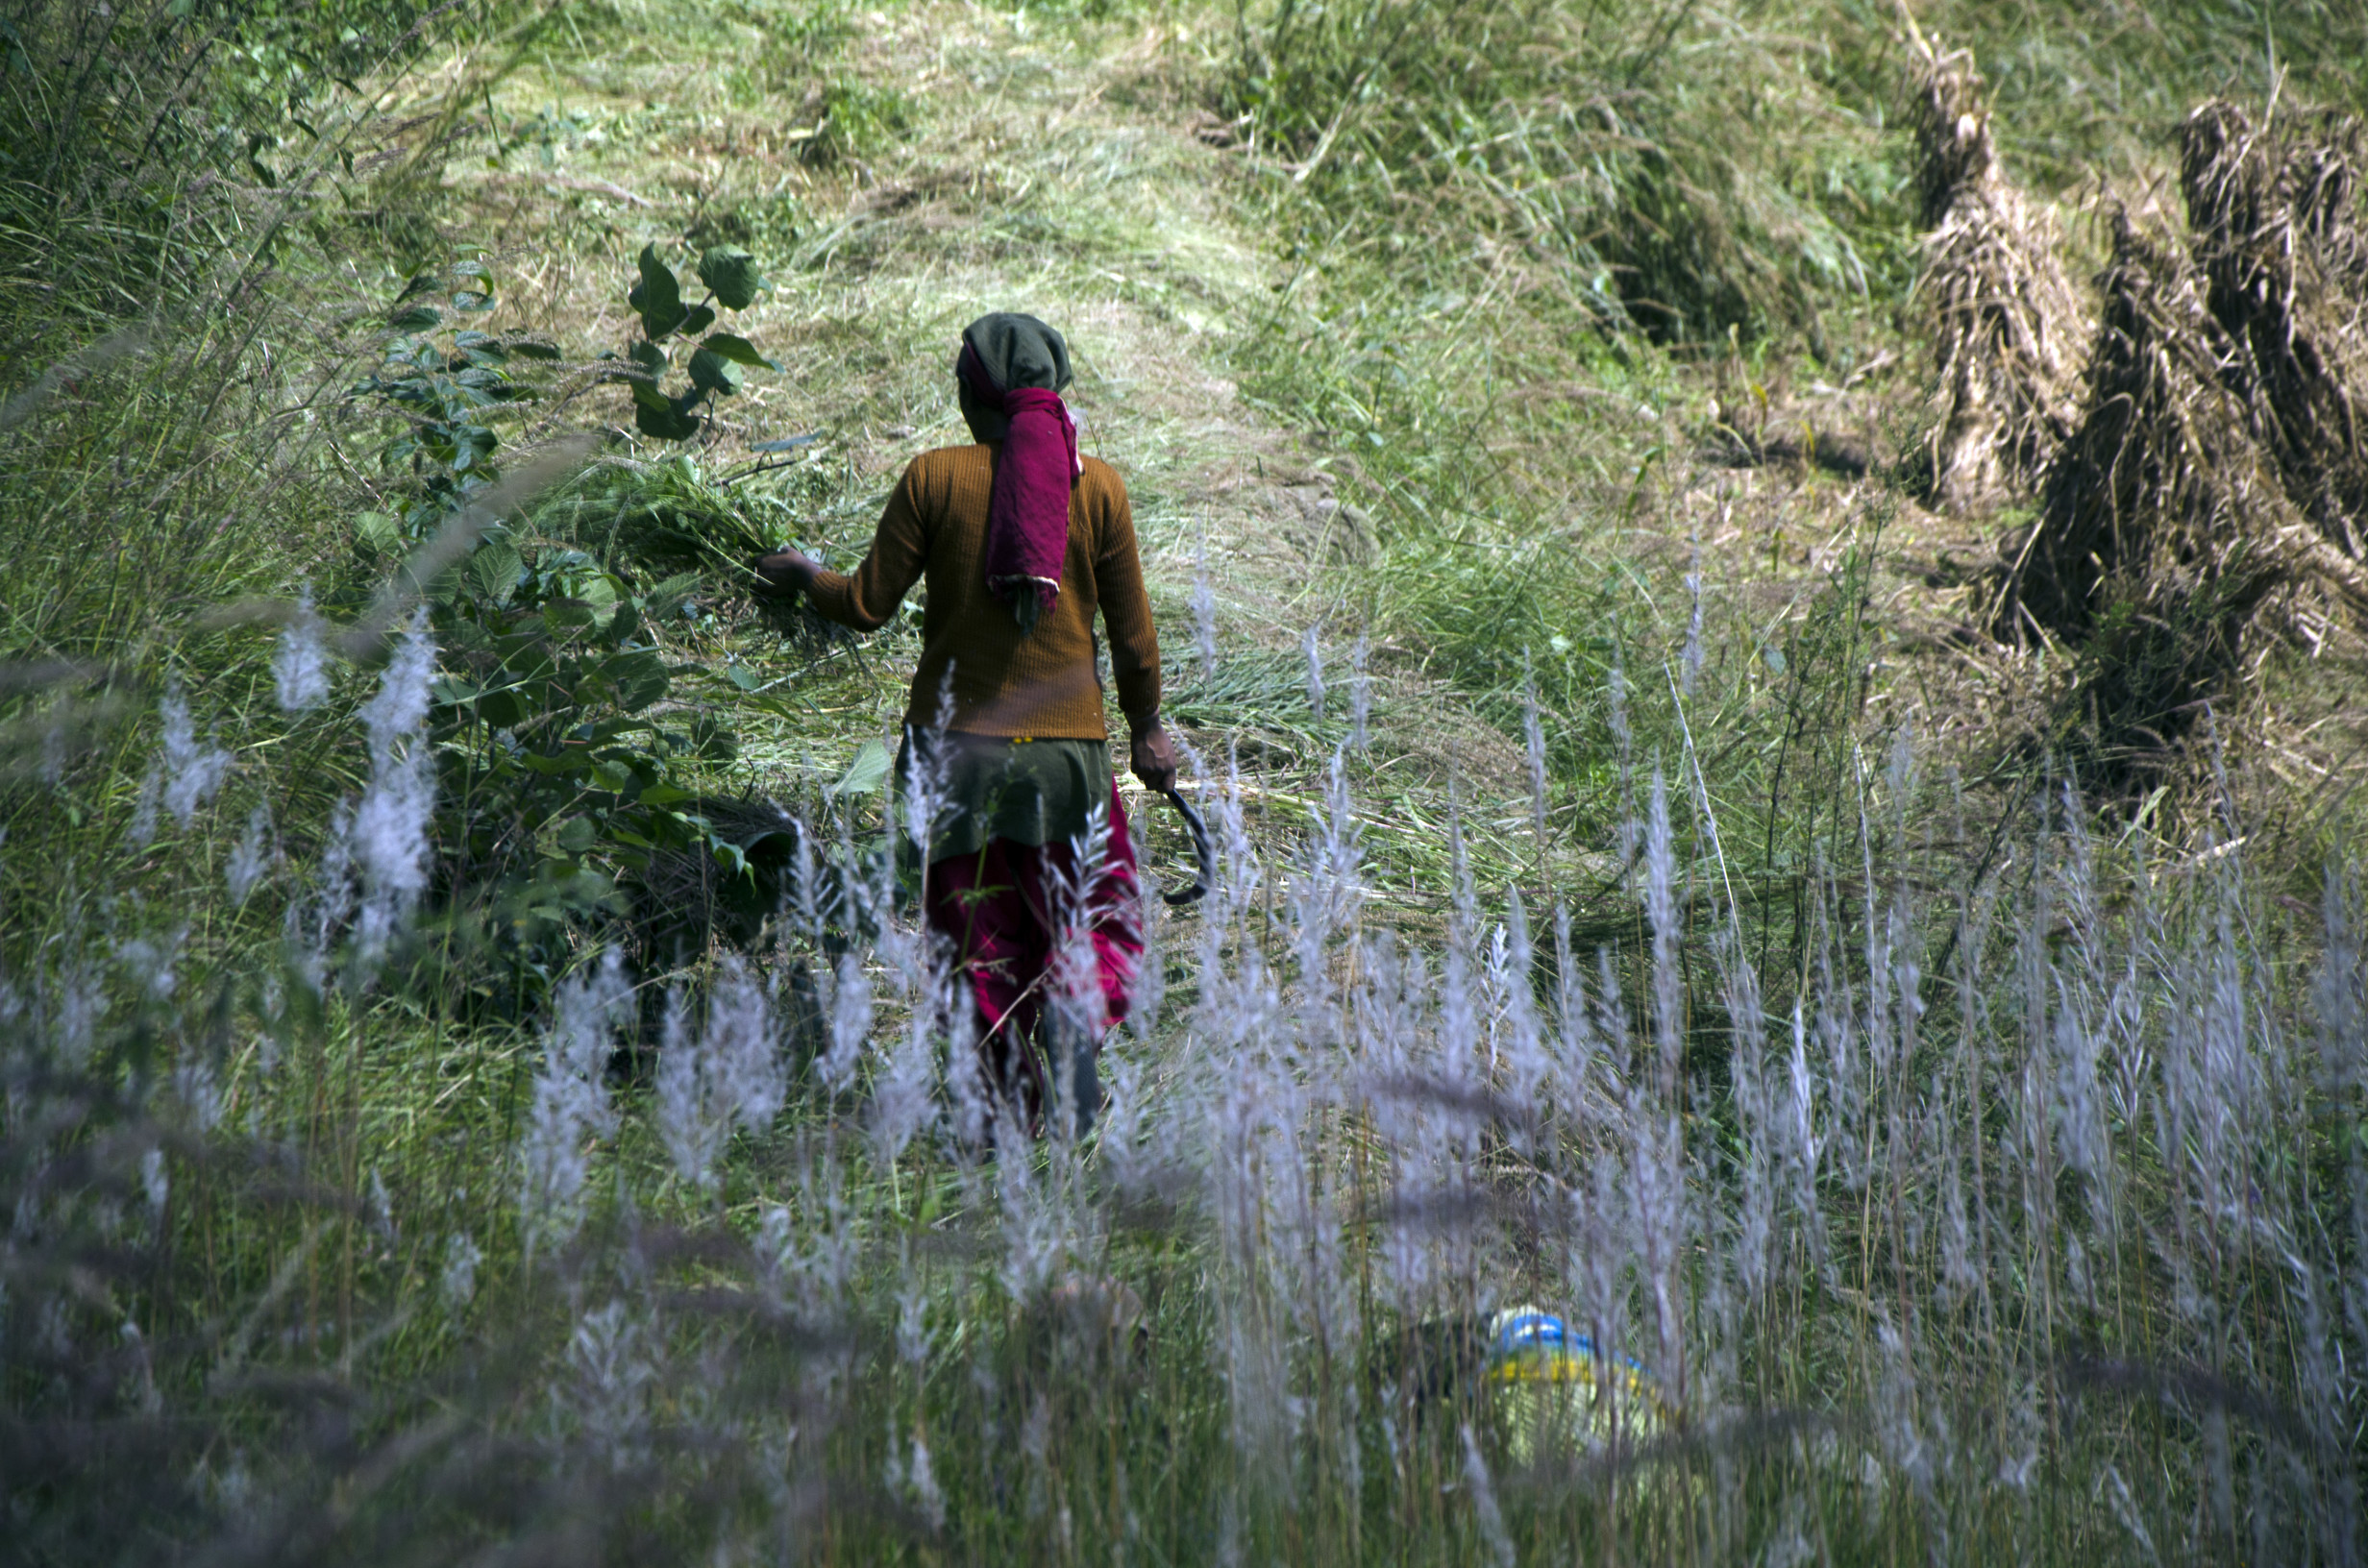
x: 2004, y: 315
x: 2278, y: 235
x: 2219, y: 462
x: 2162, y: 523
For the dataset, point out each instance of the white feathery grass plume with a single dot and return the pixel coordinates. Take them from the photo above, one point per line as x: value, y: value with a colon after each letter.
x: 1533, y: 737
x: 970, y: 1098
x: 728, y: 1075
x: 1490, y: 1517
x: 148, y: 962
x: 1360, y: 698
x: 1527, y: 1069
x: 773, y: 1251
x: 804, y: 896
x: 1204, y: 612
x: 1311, y: 648
x: 379, y: 1208
x: 71, y: 1004
x: 252, y: 857
x: 611, y: 1372
x: 299, y: 663
x: 1147, y: 989
x: 922, y: 1477
x: 850, y: 1018
x: 389, y: 828
x: 1239, y: 870
x: 743, y: 1047
x: 1464, y: 898
x: 1079, y: 896
x: 904, y: 1093
x: 1691, y: 663
x: 155, y: 1180
x: 568, y: 1104
x: 1661, y: 915
x: 1035, y: 1238
x: 456, y: 1283
x: 193, y: 772
x: 1755, y: 1215
x: 1328, y: 891
x: 147, y: 807
x: 198, y: 1089
x: 923, y: 788
x: 1959, y: 1275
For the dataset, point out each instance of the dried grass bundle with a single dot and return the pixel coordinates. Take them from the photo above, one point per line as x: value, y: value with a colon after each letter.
x: 2007, y: 321
x: 2219, y: 464
x: 2276, y: 220
x: 2161, y: 483
x: 2162, y: 523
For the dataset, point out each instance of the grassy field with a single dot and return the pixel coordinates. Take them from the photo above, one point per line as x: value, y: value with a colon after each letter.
x: 477, y: 1091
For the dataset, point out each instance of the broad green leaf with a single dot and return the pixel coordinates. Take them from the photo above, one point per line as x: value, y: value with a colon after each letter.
x: 668, y: 422
x: 866, y: 775
x: 713, y: 373
x: 528, y: 349
x: 640, y: 679
x: 578, y: 834
x: 493, y: 570
x: 651, y: 399
x: 566, y: 763
x: 742, y: 677
x: 380, y: 531
x: 738, y: 350
x: 503, y: 710
x: 663, y: 794
x: 417, y: 319
x: 657, y: 297
x: 649, y: 356
x: 700, y: 318
x: 732, y: 273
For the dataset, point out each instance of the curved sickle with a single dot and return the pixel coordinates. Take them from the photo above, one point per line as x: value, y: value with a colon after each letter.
x: 1202, y: 852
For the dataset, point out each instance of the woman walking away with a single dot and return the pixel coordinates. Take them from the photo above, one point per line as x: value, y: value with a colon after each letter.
x: 1020, y: 541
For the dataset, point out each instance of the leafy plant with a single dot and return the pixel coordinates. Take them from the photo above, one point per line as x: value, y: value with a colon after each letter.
x: 571, y: 777
x: 450, y: 382
x: 733, y: 281
x: 567, y: 780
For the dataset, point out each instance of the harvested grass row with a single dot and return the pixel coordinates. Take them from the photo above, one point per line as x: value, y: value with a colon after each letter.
x: 2007, y: 321
x: 2217, y: 468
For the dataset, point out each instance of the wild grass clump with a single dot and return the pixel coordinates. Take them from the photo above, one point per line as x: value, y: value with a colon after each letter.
x: 1911, y: 1244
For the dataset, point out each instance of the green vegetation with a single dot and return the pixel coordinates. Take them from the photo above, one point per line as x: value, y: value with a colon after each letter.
x: 473, y: 1084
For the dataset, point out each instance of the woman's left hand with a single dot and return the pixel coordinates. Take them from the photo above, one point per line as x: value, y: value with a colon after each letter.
x: 784, y: 573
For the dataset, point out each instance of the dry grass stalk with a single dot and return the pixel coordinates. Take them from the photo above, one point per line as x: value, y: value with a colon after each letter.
x: 2007, y: 320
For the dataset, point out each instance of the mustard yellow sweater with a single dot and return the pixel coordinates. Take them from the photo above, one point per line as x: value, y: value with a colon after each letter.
x: 1039, y: 683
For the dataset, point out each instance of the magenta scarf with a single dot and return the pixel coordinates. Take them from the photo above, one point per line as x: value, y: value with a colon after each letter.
x: 1027, y: 511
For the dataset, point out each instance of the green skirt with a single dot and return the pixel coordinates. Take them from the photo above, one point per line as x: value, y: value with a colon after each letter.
x: 1029, y: 792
